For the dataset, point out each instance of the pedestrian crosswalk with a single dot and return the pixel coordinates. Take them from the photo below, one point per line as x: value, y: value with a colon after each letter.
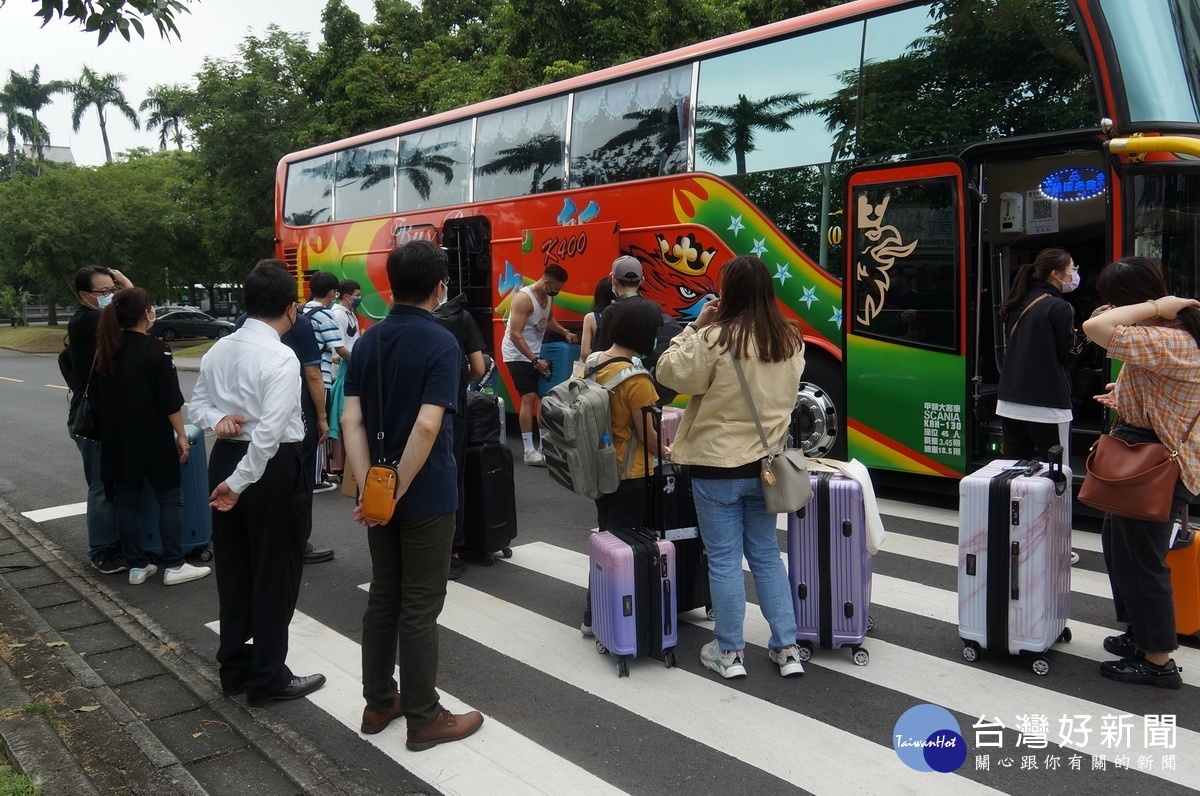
x: 685, y: 731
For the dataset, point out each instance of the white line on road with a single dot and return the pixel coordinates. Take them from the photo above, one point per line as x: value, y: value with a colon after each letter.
x: 6, y: 378
x: 496, y: 760
x: 57, y: 387
x: 56, y: 512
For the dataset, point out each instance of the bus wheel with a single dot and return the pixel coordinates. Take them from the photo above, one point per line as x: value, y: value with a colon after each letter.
x: 816, y: 420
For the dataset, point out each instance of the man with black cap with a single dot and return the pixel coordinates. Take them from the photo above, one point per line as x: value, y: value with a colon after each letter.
x: 627, y: 278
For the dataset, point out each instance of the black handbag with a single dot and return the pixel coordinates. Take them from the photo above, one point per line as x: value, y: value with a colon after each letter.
x: 83, y: 416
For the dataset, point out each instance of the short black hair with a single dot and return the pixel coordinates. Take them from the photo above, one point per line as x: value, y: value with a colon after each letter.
x: 269, y: 291
x: 347, y: 286
x: 321, y: 284
x: 414, y: 271
x: 555, y: 271
x: 83, y: 277
x: 635, y: 325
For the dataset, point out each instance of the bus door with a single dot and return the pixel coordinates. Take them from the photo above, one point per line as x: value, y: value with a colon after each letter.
x: 468, y: 244
x: 905, y: 317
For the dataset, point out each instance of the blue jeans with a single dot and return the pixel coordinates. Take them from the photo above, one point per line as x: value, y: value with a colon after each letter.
x: 734, y: 522
x: 170, y: 523
x: 102, y: 529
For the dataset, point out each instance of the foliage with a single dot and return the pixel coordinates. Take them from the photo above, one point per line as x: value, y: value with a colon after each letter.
x: 105, y: 16
x: 167, y: 108
x: 100, y: 92
x: 12, y: 305
x: 29, y: 93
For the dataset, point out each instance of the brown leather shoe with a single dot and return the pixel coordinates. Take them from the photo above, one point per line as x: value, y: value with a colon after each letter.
x: 447, y: 727
x: 377, y: 720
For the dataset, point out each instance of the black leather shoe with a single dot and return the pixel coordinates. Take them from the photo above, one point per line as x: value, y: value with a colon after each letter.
x: 314, y: 556
x: 298, y: 688
x: 1139, y: 671
x: 457, y: 567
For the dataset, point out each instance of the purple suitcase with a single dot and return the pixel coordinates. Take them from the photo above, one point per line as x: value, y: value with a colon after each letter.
x: 1014, y: 559
x: 632, y: 581
x: 830, y: 568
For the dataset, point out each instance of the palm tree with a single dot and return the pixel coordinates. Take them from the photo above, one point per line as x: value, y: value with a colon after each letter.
x: 538, y: 155
x: 100, y: 91
x: 167, y: 105
x: 31, y: 94
x: 722, y: 130
x: 416, y: 164
x: 14, y: 122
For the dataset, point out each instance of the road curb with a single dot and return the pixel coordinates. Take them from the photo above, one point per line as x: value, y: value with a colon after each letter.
x: 294, y: 756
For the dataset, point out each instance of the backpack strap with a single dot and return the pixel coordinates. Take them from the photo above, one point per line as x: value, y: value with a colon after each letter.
x: 630, y: 370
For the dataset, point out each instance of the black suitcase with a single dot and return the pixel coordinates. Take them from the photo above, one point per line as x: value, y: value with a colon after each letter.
x: 672, y: 515
x: 490, y: 516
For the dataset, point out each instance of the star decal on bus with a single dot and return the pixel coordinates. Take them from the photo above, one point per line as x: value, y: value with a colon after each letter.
x: 759, y: 248
x: 781, y: 273
x: 836, y: 318
x: 810, y: 295
x: 735, y: 225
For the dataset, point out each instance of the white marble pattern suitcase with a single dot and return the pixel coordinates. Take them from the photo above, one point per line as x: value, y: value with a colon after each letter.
x: 1014, y: 559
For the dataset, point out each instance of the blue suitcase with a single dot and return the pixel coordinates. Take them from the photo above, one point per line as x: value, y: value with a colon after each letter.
x: 197, y: 515
x: 561, y: 356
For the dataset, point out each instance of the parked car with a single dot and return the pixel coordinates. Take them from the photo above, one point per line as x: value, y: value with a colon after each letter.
x: 173, y: 323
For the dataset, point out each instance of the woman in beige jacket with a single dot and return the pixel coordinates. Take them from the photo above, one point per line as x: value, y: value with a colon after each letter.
x: 719, y: 440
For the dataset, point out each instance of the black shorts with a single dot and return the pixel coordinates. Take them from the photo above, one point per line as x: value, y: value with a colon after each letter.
x: 525, y: 377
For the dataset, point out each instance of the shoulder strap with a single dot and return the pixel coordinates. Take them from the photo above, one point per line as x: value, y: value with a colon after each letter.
x: 379, y: 455
x: 737, y: 366
x: 311, y: 311
x: 594, y: 365
x: 1024, y: 312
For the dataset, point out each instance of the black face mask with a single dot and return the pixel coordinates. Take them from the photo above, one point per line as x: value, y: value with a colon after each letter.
x: 551, y: 293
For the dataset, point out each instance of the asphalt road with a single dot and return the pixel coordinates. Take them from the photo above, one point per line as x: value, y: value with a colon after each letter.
x: 559, y: 719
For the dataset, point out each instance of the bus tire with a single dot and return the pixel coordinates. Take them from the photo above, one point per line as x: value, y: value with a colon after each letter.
x: 818, y: 421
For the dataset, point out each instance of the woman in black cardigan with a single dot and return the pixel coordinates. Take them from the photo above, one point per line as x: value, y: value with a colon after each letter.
x: 1035, y: 391
x: 142, y: 435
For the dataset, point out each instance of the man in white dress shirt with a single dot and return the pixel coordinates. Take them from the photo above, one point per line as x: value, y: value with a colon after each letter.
x: 248, y: 392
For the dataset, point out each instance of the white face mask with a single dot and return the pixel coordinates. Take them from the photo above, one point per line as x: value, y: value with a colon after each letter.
x: 103, y: 301
x: 1074, y: 283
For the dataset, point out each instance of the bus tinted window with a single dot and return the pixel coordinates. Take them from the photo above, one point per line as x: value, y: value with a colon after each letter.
x: 521, y: 151
x: 630, y: 130
x: 434, y: 167
x: 309, y: 194
x: 365, y: 180
x: 1157, y: 43
x: 947, y: 74
x: 752, y: 115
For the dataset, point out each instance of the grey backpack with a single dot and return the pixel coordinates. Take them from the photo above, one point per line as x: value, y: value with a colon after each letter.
x: 577, y: 431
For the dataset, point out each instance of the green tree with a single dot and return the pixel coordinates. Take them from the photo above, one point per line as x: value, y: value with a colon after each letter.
x: 105, y: 16
x: 536, y: 156
x: 725, y: 130
x: 29, y: 93
x: 100, y: 92
x: 166, y: 108
x: 15, y: 121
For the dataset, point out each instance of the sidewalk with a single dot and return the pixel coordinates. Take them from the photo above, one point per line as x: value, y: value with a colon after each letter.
x: 95, y: 697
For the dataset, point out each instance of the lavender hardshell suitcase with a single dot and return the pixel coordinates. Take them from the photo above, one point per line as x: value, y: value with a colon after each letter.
x: 1014, y: 559
x: 830, y: 567
x: 671, y: 418
x: 632, y: 581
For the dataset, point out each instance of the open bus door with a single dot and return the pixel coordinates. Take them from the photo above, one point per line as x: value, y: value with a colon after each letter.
x: 468, y: 244
x: 905, y: 316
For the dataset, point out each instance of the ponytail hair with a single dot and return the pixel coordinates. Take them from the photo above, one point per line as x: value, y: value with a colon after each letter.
x: 1133, y: 280
x: 126, y: 310
x: 1047, y: 262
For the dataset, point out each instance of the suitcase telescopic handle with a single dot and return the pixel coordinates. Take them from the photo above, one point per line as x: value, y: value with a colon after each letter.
x: 1014, y: 581
x: 653, y: 488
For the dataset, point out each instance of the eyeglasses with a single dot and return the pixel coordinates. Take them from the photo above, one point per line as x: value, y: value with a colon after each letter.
x: 108, y: 291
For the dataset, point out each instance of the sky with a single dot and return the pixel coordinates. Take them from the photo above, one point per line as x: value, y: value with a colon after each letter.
x: 214, y: 28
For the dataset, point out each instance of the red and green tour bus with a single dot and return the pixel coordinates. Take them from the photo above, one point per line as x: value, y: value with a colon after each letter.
x: 893, y: 162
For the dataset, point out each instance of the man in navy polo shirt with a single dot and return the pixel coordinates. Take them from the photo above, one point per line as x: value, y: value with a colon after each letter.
x: 418, y: 363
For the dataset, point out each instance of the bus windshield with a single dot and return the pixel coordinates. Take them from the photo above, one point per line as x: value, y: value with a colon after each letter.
x: 1161, y: 81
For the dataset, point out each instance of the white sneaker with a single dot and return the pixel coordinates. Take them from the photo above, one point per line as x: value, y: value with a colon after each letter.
x: 727, y: 664
x: 185, y: 573
x: 535, y: 459
x: 138, y: 575
x: 788, y: 660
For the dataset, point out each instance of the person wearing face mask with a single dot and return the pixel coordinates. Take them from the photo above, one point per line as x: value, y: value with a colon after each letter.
x: 248, y: 392
x: 528, y: 318
x: 142, y: 433
x: 95, y: 286
x: 1035, y: 391
x: 345, y: 313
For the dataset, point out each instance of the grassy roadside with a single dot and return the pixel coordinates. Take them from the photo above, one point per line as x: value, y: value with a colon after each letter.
x: 34, y: 339
x: 193, y: 351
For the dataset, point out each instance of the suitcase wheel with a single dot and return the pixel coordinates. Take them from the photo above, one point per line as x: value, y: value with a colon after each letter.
x: 669, y: 659
x: 489, y: 560
x: 710, y: 613
x: 805, y: 651
x: 970, y: 652
x: 207, y: 555
x: 622, y: 667
x: 600, y: 648
x: 870, y: 623
x: 1065, y: 635
x: 506, y: 552
x: 861, y: 656
x: 1041, y: 667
